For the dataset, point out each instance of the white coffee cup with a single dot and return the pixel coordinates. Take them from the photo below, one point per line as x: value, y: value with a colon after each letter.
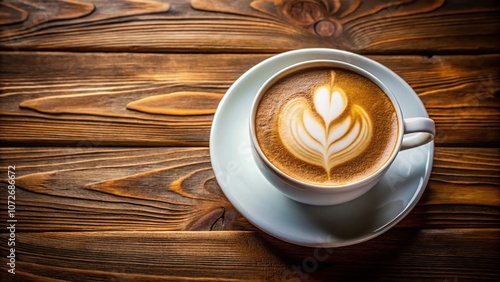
x: 415, y: 131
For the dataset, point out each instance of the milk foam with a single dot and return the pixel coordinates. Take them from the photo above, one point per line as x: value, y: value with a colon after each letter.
x: 326, y: 131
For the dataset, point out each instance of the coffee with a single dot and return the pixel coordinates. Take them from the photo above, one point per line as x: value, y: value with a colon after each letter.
x: 326, y: 126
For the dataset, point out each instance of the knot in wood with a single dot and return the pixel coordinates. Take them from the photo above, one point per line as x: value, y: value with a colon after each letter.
x: 305, y: 12
x: 325, y: 28
x: 311, y: 15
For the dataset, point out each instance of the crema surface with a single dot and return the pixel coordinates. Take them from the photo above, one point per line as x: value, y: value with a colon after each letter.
x: 326, y: 126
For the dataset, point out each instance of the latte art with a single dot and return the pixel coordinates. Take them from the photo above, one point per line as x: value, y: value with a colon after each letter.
x: 326, y: 125
x: 327, y: 134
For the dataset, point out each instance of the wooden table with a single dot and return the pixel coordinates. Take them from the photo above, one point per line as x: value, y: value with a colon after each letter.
x: 106, y: 109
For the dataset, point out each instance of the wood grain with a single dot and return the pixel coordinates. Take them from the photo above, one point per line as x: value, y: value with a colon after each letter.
x: 250, y: 25
x: 398, y: 255
x: 119, y: 189
x: 82, y: 97
x: 183, y: 103
x: 464, y: 185
x: 172, y: 189
x: 11, y: 14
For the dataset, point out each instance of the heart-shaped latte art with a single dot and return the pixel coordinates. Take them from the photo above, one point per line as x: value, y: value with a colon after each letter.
x: 324, y: 134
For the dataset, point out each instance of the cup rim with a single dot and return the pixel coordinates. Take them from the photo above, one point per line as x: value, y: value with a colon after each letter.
x: 318, y: 187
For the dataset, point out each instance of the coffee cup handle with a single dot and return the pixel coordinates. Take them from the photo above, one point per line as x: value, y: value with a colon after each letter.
x: 422, y: 131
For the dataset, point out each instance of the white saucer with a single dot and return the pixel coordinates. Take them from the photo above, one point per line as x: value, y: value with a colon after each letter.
x: 268, y: 209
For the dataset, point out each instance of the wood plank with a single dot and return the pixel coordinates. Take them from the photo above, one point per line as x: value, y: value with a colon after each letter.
x: 250, y: 25
x: 118, y: 189
x: 124, y: 99
x: 398, y: 255
x: 165, y: 189
x: 464, y: 187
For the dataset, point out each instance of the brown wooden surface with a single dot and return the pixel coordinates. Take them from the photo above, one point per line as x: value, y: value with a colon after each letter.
x: 254, y: 256
x: 407, y: 26
x: 106, y: 109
